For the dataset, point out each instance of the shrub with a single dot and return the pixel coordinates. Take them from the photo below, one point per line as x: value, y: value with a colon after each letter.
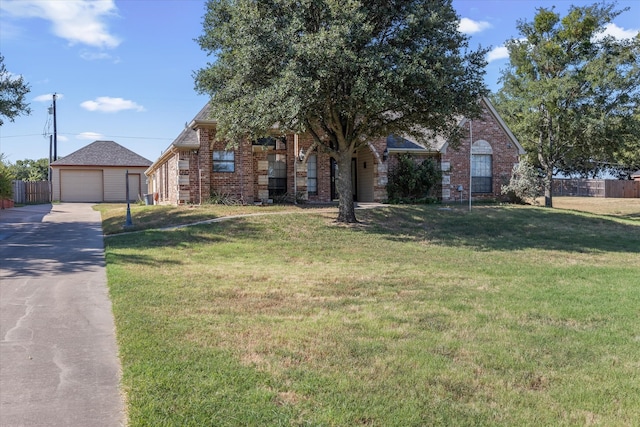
x: 6, y: 176
x: 526, y: 184
x: 217, y: 198
x: 410, y: 181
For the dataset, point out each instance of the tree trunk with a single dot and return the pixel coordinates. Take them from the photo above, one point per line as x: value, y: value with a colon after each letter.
x: 548, y: 188
x: 346, y: 207
x: 548, y: 182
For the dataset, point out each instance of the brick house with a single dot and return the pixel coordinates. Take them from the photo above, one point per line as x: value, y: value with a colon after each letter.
x: 195, y: 166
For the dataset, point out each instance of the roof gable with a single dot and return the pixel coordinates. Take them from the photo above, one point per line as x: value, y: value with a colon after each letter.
x: 103, y: 153
x: 440, y: 143
x: 504, y: 126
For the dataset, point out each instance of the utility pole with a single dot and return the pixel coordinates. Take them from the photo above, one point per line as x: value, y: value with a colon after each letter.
x: 50, y: 158
x: 55, y: 131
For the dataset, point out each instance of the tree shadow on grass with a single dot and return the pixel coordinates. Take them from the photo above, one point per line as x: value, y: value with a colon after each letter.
x: 180, y: 238
x: 505, y: 228
x: 157, y: 218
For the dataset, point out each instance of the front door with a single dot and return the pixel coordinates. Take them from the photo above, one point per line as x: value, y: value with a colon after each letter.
x: 334, y: 176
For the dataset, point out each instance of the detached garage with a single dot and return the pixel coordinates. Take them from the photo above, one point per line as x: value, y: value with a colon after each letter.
x: 97, y: 173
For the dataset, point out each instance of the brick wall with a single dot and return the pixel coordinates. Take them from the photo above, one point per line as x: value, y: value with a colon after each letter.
x: 237, y: 184
x: 323, y: 163
x: 504, y: 156
x: 381, y: 169
x: 205, y: 159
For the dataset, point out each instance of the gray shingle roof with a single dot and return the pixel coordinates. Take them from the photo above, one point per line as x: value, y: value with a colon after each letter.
x: 188, y: 138
x: 204, y: 114
x: 103, y: 153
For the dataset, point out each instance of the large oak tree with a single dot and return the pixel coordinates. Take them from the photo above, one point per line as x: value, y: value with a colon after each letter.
x: 570, y: 94
x: 13, y: 91
x: 345, y: 71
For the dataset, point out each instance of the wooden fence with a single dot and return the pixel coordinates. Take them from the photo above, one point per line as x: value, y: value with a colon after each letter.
x: 27, y: 192
x: 596, y: 188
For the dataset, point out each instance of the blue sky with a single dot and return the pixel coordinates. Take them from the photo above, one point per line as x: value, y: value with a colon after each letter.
x: 123, y: 69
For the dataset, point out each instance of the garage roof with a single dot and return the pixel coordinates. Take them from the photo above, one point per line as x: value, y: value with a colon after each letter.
x: 103, y: 153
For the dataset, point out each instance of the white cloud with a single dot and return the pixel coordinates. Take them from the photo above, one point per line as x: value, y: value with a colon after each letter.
x: 79, y: 21
x: 48, y: 97
x: 106, y: 104
x: 619, y: 33
x: 469, y: 26
x: 500, y: 52
x: 92, y: 136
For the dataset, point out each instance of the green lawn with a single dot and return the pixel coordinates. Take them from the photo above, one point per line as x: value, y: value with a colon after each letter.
x: 417, y: 316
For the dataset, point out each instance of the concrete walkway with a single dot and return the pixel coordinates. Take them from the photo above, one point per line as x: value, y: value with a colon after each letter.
x: 58, y: 354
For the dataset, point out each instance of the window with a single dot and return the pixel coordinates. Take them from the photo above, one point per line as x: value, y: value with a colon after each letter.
x: 481, y: 176
x: 279, y: 143
x: 312, y: 174
x: 267, y: 142
x: 481, y: 167
x: 224, y: 161
x: 277, y: 174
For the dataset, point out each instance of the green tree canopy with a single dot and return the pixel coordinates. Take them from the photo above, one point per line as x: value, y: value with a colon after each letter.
x: 571, y: 94
x: 12, y: 95
x: 30, y: 170
x: 346, y: 72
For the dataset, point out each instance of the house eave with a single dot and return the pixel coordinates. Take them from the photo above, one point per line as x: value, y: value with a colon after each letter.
x: 411, y: 151
x: 172, y: 150
x: 195, y: 124
x: 94, y: 165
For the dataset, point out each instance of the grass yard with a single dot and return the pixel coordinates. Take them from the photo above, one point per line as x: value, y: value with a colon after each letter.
x: 506, y: 315
x: 148, y: 217
x: 629, y: 208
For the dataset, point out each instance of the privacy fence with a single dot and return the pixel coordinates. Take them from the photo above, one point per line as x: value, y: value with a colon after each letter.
x: 596, y: 188
x: 27, y: 192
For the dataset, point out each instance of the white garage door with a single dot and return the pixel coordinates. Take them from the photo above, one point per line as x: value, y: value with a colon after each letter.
x: 81, y: 186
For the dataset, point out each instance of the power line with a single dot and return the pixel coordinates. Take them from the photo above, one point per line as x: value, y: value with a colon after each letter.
x: 78, y: 134
x: 20, y: 136
x: 129, y: 137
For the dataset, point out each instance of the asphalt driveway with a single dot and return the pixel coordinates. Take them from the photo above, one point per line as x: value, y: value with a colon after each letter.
x: 58, y: 354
